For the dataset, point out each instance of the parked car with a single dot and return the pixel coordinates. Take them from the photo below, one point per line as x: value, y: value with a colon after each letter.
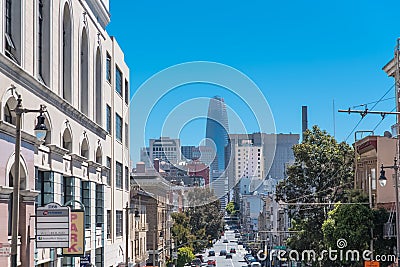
x: 196, y: 262
x: 236, y: 231
x: 200, y: 256
x: 237, y: 235
x: 240, y: 242
x: 225, y: 241
x: 211, y: 253
x: 228, y: 256
x: 222, y: 252
x: 255, y: 264
x: 211, y: 262
x: 233, y: 250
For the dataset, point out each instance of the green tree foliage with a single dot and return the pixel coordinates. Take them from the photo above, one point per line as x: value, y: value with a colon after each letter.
x: 199, y: 223
x: 185, y: 255
x: 232, y: 208
x: 321, y: 173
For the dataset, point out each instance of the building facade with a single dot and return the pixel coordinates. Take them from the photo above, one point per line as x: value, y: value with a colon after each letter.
x: 58, y: 54
x: 371, y: 153
x: 165, y: 149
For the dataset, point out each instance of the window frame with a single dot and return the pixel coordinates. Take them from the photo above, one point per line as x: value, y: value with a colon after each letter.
x: 118, y: 80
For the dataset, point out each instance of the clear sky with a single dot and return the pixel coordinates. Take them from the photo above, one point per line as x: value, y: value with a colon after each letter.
x: 298, y: 52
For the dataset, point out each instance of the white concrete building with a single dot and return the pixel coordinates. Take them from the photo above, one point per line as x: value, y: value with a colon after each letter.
x: 58, y: 53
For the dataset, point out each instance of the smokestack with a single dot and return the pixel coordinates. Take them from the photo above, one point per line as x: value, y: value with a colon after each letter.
x: 304, y: 120
x: 156, y: 164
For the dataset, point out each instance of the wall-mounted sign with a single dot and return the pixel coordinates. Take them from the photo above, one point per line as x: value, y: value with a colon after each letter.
x: 77, y: 239
x: 52, y: 226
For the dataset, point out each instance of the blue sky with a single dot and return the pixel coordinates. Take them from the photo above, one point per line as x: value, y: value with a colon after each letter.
x: 307, y: 52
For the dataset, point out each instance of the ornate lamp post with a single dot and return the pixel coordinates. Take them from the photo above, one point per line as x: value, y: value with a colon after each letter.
x: 40, y: 132
x: 382, y: 182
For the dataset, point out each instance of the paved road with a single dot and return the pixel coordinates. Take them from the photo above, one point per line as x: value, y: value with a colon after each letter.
x: 237, y: 259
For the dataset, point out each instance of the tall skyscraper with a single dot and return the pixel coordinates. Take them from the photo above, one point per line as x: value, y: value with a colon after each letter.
x: 217, y: 140
x: 217, y: 132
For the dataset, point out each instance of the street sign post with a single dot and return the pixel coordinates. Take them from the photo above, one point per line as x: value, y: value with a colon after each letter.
x: 52, y: 226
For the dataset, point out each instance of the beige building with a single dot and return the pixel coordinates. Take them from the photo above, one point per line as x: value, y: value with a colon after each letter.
x: 371, y: 153
x: 58, y: 53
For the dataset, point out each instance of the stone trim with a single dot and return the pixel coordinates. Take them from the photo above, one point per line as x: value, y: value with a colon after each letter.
x: 29, y: 195
x: 5, y: 192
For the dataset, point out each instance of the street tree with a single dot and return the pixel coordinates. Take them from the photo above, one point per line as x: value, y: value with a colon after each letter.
x: 321, y: 174
x: 185, y: 255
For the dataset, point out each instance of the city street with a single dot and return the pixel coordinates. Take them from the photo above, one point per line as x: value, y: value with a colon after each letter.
x: 237, y: 258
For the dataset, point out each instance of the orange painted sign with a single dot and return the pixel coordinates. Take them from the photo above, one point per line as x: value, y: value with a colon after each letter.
x: 77, y: 241
x: 371, y: 263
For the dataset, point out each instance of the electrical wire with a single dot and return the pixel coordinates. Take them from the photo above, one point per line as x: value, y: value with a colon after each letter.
x: 379, y: 123
x: 376, y: 103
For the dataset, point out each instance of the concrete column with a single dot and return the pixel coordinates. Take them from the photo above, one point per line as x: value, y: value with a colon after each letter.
x: 27, y: 227
x: 4, y: 197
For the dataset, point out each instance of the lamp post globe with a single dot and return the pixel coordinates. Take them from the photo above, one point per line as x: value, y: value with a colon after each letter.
x: 40, y: 128
x: 382, y: 178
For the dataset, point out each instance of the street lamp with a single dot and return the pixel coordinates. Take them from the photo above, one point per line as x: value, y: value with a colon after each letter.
x: 382, y: 182
x: 40, y: 132
x: 137, y: 218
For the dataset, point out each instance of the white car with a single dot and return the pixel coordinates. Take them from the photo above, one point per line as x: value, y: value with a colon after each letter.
x: 255, y: 264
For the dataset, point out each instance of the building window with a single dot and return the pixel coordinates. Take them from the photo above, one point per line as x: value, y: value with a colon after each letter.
x: 44, y: 41
x: 99, y: 205
x: 67, y: 55
x: 108, y: 224
x: 13, y: 30
x: 118, y: 175
x: 84, y: 73
x: 127, y: 180
x: 118, y: 80
x: 126, y: 92
x: 67, y: 140
x: 118, y: 127
x: 108, y: 165
x: 45, y: 185
x: 118, y: 223
x: 69, y: 189
x: 108, y: 68
x: 85, y: 199
x: 98, y: 89
x: 99, y: 257
x: 108, y: 119
x: 68, y: 262
x: 126, y: 135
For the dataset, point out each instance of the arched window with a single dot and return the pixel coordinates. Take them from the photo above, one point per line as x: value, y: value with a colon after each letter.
x: 99, y: 156
x: 43, y: 39
x: 85, y: 148
x: 67, y: 55
x: 84, y: 73
x: 13, y: 30
x: 67, y: 140
x: 98, y: 95
x: 9, y: 114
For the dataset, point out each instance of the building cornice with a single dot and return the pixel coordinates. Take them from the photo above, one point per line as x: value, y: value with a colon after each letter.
x: 11, y: 130
x: 58, y: 150
x: 20, y: 76
x: 78, y: 158
x: 389, y: 68
x: 99, y: 10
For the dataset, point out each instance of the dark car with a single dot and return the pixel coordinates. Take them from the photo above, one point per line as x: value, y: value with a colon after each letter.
x: 211, y: 253
x: 222, y: 252
x: 240, y: 242
x: 196, y: 262
x: 211, y: 262
x: 233, y: 250
x: 225, y: 241
x: 236, y: 231
x: 228, y: 256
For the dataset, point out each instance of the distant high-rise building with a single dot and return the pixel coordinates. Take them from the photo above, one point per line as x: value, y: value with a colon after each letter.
x: 165, y: 149
x: 217, y: 132
x: 187, y: 152
x: 217, y: 139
